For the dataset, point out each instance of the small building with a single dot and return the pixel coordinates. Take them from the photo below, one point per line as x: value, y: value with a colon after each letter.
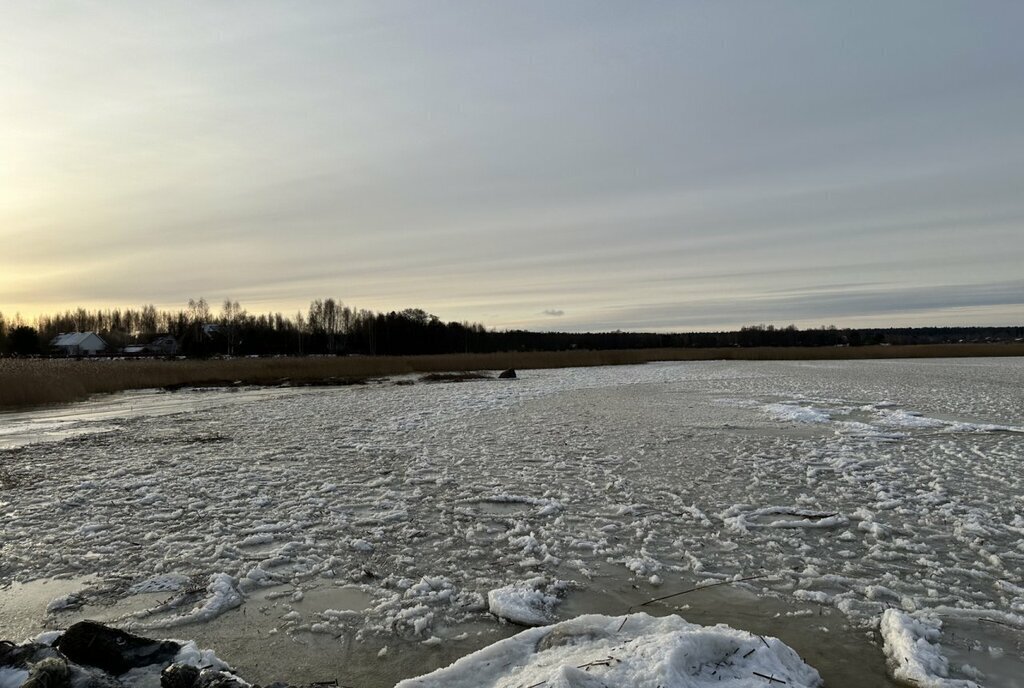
x: 78, y: 344
x: 163, y: 345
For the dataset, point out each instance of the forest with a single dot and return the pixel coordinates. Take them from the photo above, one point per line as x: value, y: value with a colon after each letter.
x: 329, y: 327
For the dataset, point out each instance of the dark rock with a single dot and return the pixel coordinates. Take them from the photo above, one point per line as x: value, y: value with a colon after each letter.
x: 509, y: 374
x: 179, y: 676
x: 454, y: 377
x: 23, y: 656
x: 91, y: 655
x: 186, y: 676
x: 115, y: 651
x: 211, y: 678
x: 51, y: 672
x: 12, y: 655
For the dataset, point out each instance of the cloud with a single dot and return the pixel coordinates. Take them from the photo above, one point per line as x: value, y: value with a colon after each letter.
x: 671, y: 187
x: 842, y: 306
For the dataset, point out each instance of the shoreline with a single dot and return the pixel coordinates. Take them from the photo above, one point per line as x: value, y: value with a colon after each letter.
x: 27, y: 383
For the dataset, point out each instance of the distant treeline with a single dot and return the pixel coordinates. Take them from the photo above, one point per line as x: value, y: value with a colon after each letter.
x: 330, y: 327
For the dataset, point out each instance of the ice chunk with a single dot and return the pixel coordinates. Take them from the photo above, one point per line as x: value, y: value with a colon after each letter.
x: 522, y: 603
x: 191, y: 654
x: 740, y: 520
x: 915, y: 656
x: 361, y: 545
x: 69, y: 601
x: 899, y: 418
x: 223, y: 594
x: 48, y: 637
x: 164, y: 583
x: 635, y: 650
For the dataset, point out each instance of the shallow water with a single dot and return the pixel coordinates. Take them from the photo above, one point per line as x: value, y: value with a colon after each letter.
x: 57, y: 422
x: 855, y: 485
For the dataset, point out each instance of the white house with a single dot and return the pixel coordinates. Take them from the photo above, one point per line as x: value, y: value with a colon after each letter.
x: 78, y: 343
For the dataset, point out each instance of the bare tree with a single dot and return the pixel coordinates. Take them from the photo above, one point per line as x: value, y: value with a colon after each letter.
x: 327, y: 321
x: 199, y: 311
x: 148, y: 321
x: 232, y: 316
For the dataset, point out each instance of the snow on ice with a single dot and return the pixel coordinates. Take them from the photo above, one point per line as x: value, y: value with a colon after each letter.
x: 636, y: 650
x: 530, y: 603
x: 861, y: 486
x: 912, y: 645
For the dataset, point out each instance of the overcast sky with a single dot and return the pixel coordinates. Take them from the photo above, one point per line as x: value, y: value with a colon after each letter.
x: 547, y: 165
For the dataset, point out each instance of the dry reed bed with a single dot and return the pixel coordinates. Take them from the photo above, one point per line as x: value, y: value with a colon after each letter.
x: 29, y: 382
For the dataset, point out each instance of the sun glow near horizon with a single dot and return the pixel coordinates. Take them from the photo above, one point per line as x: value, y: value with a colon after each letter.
x: 545, y: 167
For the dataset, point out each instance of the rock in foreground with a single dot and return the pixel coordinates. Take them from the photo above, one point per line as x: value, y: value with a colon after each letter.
x: 92, y: 655
x: 113, y: 650
x: 636, y: 650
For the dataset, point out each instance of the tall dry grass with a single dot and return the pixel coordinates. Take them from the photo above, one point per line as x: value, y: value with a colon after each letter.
x: 28, y: 382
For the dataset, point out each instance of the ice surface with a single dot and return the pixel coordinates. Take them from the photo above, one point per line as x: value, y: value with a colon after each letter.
x: 796, y: 413
x: 904, y: 492
x: 636, y: 650
x: 12, y: 678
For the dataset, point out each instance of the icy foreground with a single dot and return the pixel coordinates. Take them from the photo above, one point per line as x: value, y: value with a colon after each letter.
x: 912, y: 646
x: 635, y: 650
x: 90, y: 655
x: 414, y: 519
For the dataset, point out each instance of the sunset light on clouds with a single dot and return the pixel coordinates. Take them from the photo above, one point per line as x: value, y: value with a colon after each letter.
x: 571, y: 165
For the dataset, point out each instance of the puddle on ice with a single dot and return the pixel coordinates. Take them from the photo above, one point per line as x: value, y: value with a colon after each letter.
x: 267, y: 639
x: 122, y: 611
x: 326, y: 596
x: 98, y: 414
x: 262, y: 654
x: 271, y: 604
x: 23, y: 606
x: 264, y: 645
x: 993, y: 654
x: 17, y: 433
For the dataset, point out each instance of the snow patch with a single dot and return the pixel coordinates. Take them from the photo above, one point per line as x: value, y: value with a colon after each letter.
x: 635, y: 650
x: 915, y: 656
x: 529, y: 603
x: 223, y: 594
x: 796, y: 414
x: 69, y: 601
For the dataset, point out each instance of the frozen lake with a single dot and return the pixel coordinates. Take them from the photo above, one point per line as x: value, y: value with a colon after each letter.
x: 355, y: 533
